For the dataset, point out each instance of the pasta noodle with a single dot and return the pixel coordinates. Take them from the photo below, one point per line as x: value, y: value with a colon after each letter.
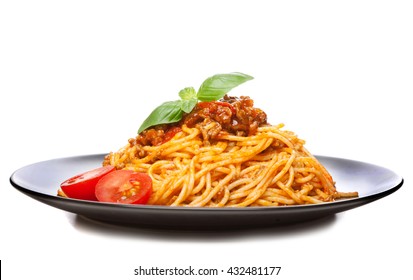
x: 268, y: 168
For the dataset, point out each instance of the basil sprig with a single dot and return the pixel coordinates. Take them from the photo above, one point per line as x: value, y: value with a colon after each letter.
x: 213, y: 88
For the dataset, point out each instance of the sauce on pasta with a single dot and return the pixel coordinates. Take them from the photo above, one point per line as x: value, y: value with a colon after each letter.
x: 225, y: 154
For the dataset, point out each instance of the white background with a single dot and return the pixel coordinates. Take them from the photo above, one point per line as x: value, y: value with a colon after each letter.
x: 78, y: 77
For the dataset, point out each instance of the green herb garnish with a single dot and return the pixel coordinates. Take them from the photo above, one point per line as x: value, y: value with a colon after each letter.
x: 212, y: 89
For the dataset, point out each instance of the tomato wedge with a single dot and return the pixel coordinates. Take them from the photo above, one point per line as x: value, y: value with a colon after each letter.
x: 82, y: 186
x: 124, y: 186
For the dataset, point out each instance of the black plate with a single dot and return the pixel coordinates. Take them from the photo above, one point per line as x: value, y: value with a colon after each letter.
x: 41, y: 181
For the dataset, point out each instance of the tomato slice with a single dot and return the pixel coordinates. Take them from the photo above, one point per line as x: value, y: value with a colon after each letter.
x: 124, y: 186
x: 82, y: 186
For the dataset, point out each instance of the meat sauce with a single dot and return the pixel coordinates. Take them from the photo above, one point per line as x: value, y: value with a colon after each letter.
x: 232, y: 115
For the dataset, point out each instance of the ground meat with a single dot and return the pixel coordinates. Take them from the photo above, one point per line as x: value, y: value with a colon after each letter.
x: 151, y: 137
x: 229, y: 115
x: 235, y: 115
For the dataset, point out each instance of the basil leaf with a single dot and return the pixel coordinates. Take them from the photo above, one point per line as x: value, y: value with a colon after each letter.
x: 217, y: 86
x: 188, y: 105
x: 212, y: 89
x: 168, y: 112
x: 188, y: 99
x: 187, y: 93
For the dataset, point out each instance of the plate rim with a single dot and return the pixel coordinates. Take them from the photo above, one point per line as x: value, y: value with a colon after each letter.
x: 366, y: 199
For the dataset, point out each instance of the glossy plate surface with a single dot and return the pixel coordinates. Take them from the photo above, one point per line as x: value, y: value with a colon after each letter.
x: 41, y: 181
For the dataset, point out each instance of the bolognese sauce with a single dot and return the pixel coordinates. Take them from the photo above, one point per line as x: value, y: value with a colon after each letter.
x: 229, y: 115
x: 232, y: 115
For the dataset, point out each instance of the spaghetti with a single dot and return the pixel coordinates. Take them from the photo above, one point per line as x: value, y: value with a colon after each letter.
x: 208, y: 159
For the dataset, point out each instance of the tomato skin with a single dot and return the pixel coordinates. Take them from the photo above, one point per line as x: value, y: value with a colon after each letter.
x: 170, y: 133
x: 82, y: 186
x: 124, y: 186
x: 210, y: 105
